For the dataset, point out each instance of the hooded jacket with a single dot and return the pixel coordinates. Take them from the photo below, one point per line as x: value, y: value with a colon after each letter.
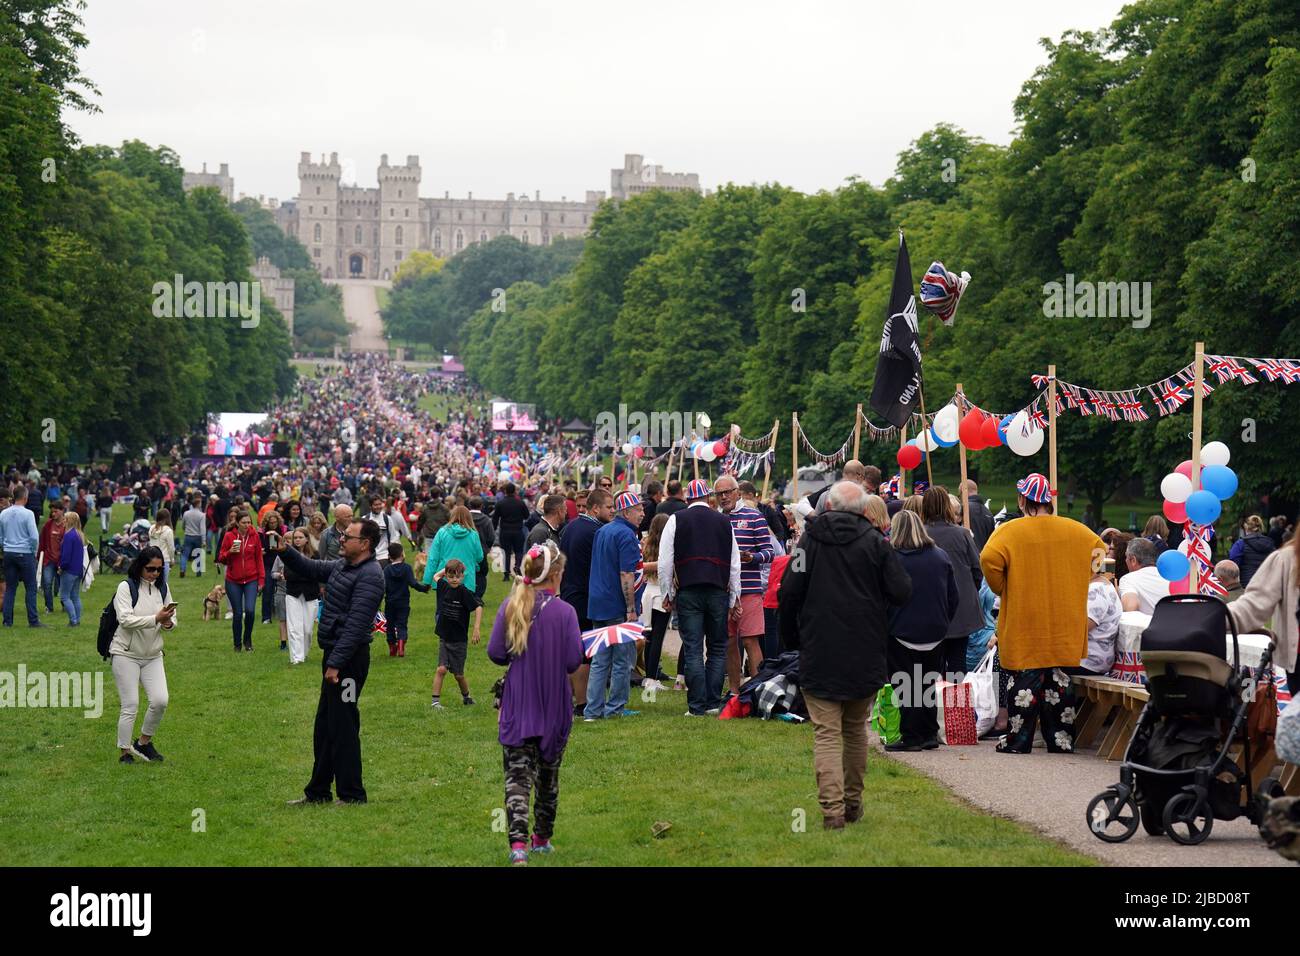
x: 247, y: 564
x: 834, y: 605
x: 455, y: 541
x: 1249, y: 553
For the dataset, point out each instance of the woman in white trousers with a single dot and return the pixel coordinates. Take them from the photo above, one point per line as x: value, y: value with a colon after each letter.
x: 137, y: 652
x: 300, y: 599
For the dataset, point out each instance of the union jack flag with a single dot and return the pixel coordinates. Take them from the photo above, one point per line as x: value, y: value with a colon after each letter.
x: 1040, y: 381
x: 1225, y: 367
x: 1084, y: 405
x: 1133, y: 410
x: 380, y: 624
x: 1071, y: 396
x: 1037, y: 417
x: 1172, y: 397
x: 1290, y: 370
x: 594, y: 640
x: 1188, y: 376
x: 1272, y: 369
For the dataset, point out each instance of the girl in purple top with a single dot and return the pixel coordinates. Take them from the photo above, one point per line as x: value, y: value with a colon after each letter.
x: 536, y: 633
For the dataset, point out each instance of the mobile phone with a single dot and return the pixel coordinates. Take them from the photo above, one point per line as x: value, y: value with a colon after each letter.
x: 170, y: 607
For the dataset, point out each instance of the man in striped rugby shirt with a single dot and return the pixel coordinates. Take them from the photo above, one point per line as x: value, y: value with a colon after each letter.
x: 752, y: 537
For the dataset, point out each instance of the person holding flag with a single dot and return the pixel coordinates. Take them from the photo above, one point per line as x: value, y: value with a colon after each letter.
x: 614, y: 597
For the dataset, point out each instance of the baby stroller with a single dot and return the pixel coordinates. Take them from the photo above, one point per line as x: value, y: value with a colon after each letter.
x: 1177, y: 777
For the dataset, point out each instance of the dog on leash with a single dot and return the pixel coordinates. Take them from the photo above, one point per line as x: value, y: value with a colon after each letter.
x: 212, y: 603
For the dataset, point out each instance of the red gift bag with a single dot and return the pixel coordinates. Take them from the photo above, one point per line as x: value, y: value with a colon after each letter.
x: 956, y: 706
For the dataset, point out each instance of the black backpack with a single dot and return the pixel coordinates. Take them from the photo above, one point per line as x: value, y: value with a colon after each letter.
x: 108, y: 617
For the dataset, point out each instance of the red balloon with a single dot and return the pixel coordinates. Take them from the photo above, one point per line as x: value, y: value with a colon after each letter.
x: 638, y: 452
x: 1178, y: 587
x: 720, y: 448
x: 969, y: 430
x: 989, y: 433
x: 1185, y: 468
x: 1175, y: 511
x: 909, y: 456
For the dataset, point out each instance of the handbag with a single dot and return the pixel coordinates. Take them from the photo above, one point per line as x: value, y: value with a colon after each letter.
x: 956, y: 710
x: 984, y: 692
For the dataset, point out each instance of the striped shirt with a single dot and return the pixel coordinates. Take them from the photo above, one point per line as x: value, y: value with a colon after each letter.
x: 752, y: 535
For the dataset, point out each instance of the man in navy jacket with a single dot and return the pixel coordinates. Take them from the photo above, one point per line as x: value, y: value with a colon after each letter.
x: 354, y: 586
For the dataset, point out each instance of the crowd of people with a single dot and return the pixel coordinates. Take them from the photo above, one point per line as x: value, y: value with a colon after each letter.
x: 881, y: 595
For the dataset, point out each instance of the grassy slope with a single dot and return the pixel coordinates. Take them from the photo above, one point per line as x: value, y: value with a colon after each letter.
x: 237, y: 738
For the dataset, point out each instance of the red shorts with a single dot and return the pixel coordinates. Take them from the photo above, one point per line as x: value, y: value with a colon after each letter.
x: 751, y: 623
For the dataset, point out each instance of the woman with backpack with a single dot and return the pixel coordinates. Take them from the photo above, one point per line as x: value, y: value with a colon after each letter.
x: 144, y: 610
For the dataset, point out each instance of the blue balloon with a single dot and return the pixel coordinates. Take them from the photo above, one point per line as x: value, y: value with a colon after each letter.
x: 1203, y: 507
x: 1219, y: 480
x: 1002, y: 428
x: 636, y: 439
x: 1173, y: 565
x: 934, y: 437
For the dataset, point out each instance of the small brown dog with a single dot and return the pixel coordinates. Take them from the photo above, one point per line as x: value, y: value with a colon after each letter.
x: 212, y: 603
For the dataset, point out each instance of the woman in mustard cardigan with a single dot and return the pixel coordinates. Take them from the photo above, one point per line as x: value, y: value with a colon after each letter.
x: 1041, y: 565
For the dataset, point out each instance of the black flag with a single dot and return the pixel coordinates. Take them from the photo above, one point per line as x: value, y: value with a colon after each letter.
x: 897, y: 387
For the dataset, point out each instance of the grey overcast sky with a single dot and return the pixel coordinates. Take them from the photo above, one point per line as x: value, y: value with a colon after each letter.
x: 517, y: 96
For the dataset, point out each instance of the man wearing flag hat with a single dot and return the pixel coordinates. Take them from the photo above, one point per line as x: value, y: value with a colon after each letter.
x: 699, y: 572
x: 614, y: 597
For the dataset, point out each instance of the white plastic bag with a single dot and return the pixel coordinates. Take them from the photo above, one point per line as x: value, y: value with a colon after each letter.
x: 497, y: 560
x: 1287, y: 741
x: 984, y: 692
x: 88, y: 577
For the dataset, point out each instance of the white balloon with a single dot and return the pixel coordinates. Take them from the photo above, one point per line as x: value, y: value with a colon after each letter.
x: 946, y: 422
x: 1215, y: 453
x: 627, y: 448
x: 1176, y: 487
x: 925, y: 441
x: 1023, y: 445
x: 703, y: 421
x: 707, y: 453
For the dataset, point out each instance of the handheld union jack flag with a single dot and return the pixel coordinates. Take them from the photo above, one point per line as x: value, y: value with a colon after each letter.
x: 594, y: 640
x: 380, y: 623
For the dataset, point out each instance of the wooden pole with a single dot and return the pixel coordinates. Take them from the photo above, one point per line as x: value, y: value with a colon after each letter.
x: 767, y: 462
x: 961, y: 455
x: 1051, y: 435
x: 1197, y: 382
x: 794, y: 454
x: 668, y: 471
x: 857, y: 432
x: 929, y: 475
x: 902, y: 475
x: 681, y: 459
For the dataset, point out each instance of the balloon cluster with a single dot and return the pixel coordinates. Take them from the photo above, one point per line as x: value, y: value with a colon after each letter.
x: 976, y: 431
x: 634, y: 448
x: 1199, y: 506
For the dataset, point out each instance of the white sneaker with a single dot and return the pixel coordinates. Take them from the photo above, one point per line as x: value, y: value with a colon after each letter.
x: 229, y: 615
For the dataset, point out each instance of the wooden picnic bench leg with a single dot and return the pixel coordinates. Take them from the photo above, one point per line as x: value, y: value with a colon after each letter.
x: 1098, y: 711
x: 1118, y: 726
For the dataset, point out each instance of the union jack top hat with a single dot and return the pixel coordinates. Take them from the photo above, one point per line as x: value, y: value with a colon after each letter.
x: 698, y: 488
x: 1035, y: 487
x: 625, y: 500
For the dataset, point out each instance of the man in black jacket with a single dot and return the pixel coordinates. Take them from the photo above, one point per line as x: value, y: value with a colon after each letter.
x: 835, y: 595
x: 981, y: 522
x: 354, y: 586
x: 509, y: 517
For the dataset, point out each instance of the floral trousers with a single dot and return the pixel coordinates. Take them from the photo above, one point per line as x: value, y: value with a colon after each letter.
x: 1044, y: 694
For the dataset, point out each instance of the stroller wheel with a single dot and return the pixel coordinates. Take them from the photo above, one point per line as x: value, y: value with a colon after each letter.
x: 1111, y: 820
x: 1186, y: 820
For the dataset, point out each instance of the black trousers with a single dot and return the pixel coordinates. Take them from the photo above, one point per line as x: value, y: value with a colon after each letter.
x: 954, y: 658
x: 654, y: 647
x: 337, y: 737
x: 512, y: 544
x: 918, y: 720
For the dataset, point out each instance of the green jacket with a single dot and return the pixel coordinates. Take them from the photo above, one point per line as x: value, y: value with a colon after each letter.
x: 455, y: 541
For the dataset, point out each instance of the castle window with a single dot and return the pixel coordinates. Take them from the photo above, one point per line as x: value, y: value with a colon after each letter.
x: 525, y: 237
x: 376, y: 240
x: 316, y: 253
x: 397, y: 256
x: 399, y: 194
x: 561, y: 217
x: 459, y: 215
x: 317, y: 190
x: 584, y: 218
x: 546, y: 217
x: 315, y: 236
x: 482, y: 237
x: 437, y: 239
x: 356, y: 236
x: 324, y: 210
x: 525, y: 217
x: 485, y: 217
x: 406, y: 213
x: 392, y: 213
x: 398, y: 236
x: 311, y: 210
x: 437, y: 214
x: 503, y: 217
x: 460, y: 240
x: 546, y: 238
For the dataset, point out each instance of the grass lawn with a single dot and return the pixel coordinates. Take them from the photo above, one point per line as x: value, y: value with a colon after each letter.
x: 237, y: 738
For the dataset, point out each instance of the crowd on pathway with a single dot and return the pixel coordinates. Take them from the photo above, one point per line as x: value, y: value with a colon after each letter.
x: 880, y: 596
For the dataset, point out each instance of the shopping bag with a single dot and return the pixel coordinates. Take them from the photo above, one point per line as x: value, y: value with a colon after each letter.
x: 497, y: 558
x: 886, y: 717
x: 956, y: 707
x: 984, y: 692
x: 1287, y: 741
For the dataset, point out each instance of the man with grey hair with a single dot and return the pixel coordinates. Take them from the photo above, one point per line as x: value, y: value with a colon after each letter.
x: 1229, y: 576
x: 834, y: 602
x: 854, y: 471
x: 1143, y: 587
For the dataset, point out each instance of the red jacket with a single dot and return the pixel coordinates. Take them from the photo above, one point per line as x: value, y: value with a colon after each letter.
x: 774, y: 575
x: 52, y: 541
x: 247, y: 563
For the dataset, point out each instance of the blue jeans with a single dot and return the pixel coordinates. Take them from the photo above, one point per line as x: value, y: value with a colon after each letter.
x: 243, y: 602
x: 189, y: 544
x: 702, y: 617
x: 49, y: 583
x: 213, y: 543
x: 20, y: 567
x: 70, y: 596
x: 612, y: 665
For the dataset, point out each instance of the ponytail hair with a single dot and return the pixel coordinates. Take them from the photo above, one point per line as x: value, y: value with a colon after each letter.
x: 541, y: 563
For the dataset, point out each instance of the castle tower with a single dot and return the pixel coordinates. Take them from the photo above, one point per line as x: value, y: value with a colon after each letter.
x: 318, y: 213
x: 399, y: 214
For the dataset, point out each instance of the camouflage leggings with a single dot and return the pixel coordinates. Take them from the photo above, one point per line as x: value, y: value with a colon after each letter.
x: 525, y: 769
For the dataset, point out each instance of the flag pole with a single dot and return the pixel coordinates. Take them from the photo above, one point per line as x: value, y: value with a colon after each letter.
x: 961, y: 454
x: 794, y: 454
x: 1199, y: 379
x: 767, y: 462
x: 1051, y: 435
x: 902, y: 472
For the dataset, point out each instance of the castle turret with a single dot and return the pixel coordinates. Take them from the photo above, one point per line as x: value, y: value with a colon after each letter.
x: 318, y: 213
x: 399, y: 213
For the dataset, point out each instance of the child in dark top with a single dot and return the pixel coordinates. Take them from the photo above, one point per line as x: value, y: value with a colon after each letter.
x: 455, y: 603
x: 398, y: 579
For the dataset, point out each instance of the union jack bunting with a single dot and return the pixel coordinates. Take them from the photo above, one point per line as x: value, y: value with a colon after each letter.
x: 1171, y: 397
x: 1037, y: 417
x: 1040, y: 381
x: 1272, y: 369
x: 1071, y: 394
x: 1081, y: 403
x: 1290, y: 370
x: 1225, y: 368
x: 1133, y: 410
x: 1189, y: 376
